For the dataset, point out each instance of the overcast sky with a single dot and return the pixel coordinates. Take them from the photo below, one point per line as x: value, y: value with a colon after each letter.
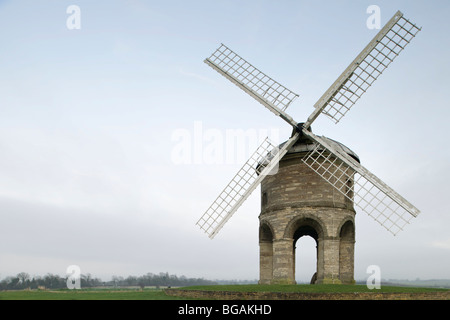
x: 92, y: 122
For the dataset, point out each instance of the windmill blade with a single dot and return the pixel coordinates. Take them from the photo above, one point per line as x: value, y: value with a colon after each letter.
x: 258, y: 85
x: 365, y: 69
x: 262, y: 163
x: 359, y: 185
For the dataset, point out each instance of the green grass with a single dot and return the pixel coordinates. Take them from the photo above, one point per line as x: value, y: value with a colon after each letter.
x: 306, y: 288
x: 157, y: 294
x: 86, y: 294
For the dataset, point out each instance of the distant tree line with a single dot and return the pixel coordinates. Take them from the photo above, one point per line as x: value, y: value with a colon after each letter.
x: 161, y: 279
x: 51, y: 281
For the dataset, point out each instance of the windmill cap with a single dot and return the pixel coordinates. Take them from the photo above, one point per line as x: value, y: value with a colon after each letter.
x: 305, y: 145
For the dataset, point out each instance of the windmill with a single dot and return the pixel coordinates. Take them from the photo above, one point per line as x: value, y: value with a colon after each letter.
x: 335, y: 164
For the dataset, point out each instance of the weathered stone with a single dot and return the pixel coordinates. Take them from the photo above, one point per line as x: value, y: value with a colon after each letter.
x: 296, y: 202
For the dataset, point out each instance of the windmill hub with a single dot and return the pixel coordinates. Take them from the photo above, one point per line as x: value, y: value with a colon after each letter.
x: 299, y: 128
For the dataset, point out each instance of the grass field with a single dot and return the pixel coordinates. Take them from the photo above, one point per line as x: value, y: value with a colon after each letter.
x: 86, y: 294
x: 156, y: 294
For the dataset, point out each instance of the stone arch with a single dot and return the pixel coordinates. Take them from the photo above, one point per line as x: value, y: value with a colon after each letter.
x: 309, y: 222
x: 307, y: 225
x: 302, y: 244
x: 347, y: 222
x: 265, y: 231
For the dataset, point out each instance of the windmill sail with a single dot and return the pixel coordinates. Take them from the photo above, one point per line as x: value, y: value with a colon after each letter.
x: 260, y: 164
x: 359, y: 185
x: 261, y: 87
x: 365, y: 69
x: 343, y: 172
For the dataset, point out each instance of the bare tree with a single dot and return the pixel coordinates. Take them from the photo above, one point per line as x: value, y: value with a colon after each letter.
x: 23, y: 277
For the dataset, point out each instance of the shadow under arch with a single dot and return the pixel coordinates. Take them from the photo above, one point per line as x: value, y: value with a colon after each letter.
x: 305, y: 225
x: 265, y: 231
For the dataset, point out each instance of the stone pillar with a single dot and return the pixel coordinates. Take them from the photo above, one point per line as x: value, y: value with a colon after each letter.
x: 330, y: 262
x: 265, y: 262
x: 347, y: 252
x: 346, y: 261
x: 283, y: 271
x: 320, y: 259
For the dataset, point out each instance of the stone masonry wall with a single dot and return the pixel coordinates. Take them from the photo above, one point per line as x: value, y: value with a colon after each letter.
x: 232, y: 295
x: 295, y: 202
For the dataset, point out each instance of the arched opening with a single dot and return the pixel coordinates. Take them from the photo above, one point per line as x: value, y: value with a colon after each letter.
x: 305, y: 259
x: 306, y: 251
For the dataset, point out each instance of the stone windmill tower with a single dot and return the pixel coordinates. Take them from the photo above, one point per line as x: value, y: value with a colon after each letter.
x: 310, y: 184
x: 297, y: 202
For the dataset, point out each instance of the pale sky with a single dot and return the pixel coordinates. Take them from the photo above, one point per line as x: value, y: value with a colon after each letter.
x: 90, y: 120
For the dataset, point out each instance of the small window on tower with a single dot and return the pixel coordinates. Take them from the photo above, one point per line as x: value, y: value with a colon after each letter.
x: 349, y: 191
x: 264, y: 199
